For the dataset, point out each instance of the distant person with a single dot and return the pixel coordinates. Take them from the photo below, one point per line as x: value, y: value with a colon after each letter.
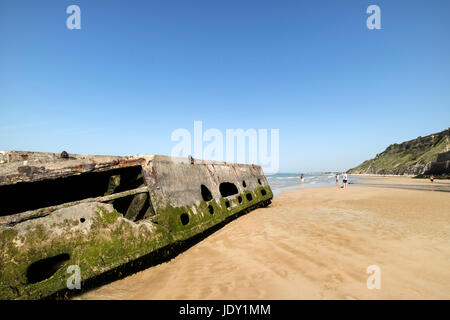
x: 431, y: 178
x: 302, y: 178
x: 337, y: 179
x: 344, y: 179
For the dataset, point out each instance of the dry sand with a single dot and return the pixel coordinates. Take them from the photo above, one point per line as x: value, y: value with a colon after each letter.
x: 312, y: 244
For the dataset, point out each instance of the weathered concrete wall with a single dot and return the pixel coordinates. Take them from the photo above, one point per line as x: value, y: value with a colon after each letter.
x: 23, y: 166
x: 103, y: 233
x: 441, y: 166
x: 175, y: 188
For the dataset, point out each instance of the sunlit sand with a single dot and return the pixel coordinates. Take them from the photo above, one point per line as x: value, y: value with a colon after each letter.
x: 313, y: 244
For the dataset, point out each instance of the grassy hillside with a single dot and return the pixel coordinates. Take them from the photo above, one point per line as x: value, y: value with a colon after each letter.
x: 412, y: 157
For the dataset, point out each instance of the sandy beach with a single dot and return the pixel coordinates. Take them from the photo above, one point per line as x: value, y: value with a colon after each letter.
x: 313, y: 243
x: 405, y: 182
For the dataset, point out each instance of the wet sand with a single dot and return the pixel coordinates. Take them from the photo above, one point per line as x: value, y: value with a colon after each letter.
x: 312, y: 244
x: 406, y: 183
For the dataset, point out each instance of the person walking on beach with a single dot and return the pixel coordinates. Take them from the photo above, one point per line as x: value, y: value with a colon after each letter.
x: 302, y: 178
x: 337, y: 179
x: 431, y: 178
x: 344, y: 179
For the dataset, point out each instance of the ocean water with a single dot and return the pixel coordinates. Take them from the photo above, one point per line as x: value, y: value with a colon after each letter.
x: 286, y: 181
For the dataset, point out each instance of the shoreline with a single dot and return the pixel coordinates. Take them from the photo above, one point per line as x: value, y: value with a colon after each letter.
x: 398, y: 182
x: 379, y: 175
x: 373, y: 175
x: 402, y: 182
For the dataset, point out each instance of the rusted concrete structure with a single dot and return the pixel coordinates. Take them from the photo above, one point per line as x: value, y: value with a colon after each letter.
x: 109, y: 215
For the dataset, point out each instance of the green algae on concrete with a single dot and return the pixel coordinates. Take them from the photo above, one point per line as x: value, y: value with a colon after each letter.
x: 110, y: 242
x: 109, y: 239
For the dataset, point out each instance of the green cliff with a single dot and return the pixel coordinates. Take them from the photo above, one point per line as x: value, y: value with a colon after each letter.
x: 419, y: 157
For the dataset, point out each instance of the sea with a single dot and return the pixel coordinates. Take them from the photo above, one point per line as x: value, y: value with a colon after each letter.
x: 286, y: 181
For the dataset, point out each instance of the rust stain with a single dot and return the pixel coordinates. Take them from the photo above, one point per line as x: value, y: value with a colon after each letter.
x: 154, y: 174
x: 234, y: 169
x: 131, y: 163
x: 209, y: 170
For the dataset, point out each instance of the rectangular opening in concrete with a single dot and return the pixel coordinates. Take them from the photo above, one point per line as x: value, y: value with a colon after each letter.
x: 26, y: 196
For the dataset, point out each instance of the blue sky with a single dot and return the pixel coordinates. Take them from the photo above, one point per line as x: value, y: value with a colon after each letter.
x: 137, y: 70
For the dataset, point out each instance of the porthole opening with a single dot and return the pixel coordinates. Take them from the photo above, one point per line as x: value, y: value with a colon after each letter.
x: 263, y: 192
x: 249, y: 197
x: 240, y: 199
x: 184, y: 219
x: 244, y: 184
x: 259, y: 181
x: 82, y: 220
x: 228, y: 189
x: 43, y: 269
x: 206, y: 194
x: 211, y: 209
x: 227, y: 204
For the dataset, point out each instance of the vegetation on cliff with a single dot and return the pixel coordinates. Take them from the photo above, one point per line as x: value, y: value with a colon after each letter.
x: 421, y: 156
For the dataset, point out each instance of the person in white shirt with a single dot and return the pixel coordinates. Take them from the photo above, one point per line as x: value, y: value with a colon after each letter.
x: 344, y: 179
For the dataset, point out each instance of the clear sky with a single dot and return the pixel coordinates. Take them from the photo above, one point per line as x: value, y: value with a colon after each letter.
x: 137, y: 70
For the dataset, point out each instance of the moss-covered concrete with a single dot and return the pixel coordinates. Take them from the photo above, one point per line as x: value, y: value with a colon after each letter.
x: 110, y: 242
x: 101, y: 240
x: 200, y: 218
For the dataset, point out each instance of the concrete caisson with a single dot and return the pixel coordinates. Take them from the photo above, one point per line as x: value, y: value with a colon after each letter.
x: 109, y: 215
